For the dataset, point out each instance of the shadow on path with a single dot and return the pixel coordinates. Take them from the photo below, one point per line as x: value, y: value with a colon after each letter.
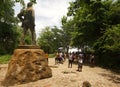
x: 112, y: 77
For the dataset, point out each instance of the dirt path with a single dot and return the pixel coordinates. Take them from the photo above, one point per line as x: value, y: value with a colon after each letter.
x: 69, y: 77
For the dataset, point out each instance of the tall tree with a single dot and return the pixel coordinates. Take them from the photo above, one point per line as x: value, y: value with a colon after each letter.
x: 96, y: 23
x: 45, y: 40
x: 90, y: 20
x: 50, y: 39
x: 57, y: 37
x: 67, y: 30
x: 7, y: 11
x: 10, y: 33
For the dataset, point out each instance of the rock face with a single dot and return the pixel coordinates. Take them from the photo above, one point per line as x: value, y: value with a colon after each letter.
x: 27, y: 65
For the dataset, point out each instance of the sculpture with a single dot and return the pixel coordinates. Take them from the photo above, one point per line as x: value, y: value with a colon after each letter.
x: 27, y: 17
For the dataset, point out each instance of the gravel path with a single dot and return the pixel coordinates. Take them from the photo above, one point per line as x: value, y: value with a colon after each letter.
x: 69, y: 77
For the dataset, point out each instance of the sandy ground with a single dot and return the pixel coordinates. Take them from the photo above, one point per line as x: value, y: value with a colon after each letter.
x: 69, y: 77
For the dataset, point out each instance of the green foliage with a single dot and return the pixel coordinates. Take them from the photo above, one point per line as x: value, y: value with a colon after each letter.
x: 28, y: 38
x: 114, y: 14
x: 92, y: 25
x: 67, y: 29
x: 9, y: 38
x: 9, y: 32
x: 110, y: 38
x: 7, y: 11
x: 91, y: 18
x: 49, y: 39
x: 108, y: 48
x: 90, y: 21
x: 52, y: 55
x: 52, y: 38
x: 57, y: 38
x: 4, y: 59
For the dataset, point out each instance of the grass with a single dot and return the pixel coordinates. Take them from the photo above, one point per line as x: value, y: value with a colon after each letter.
x: 4, y: 59
x: 51, y: 55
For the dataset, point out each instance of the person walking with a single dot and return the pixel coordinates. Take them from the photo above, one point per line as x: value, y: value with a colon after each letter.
x: 70, y: 60
x: 80, y: 62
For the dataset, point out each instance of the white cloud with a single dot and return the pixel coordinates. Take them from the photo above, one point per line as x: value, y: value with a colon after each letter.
x: 48, y: 12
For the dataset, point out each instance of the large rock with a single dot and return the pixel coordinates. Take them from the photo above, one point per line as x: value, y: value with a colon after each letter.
x: 27, y: 65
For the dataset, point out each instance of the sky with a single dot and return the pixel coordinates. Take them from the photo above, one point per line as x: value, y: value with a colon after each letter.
x: 47, y: 13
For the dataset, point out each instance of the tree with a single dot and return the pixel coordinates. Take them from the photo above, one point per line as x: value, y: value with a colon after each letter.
x: 114, y: 13
x: 45, y: 40
x: 90, y: 20
x: 107, y: 48
x: 7, y: 11
x: 57, y: 38
x: 50, y: 39
x: 67, y: 30
x: 96, y: 23
x: 9, y: 36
